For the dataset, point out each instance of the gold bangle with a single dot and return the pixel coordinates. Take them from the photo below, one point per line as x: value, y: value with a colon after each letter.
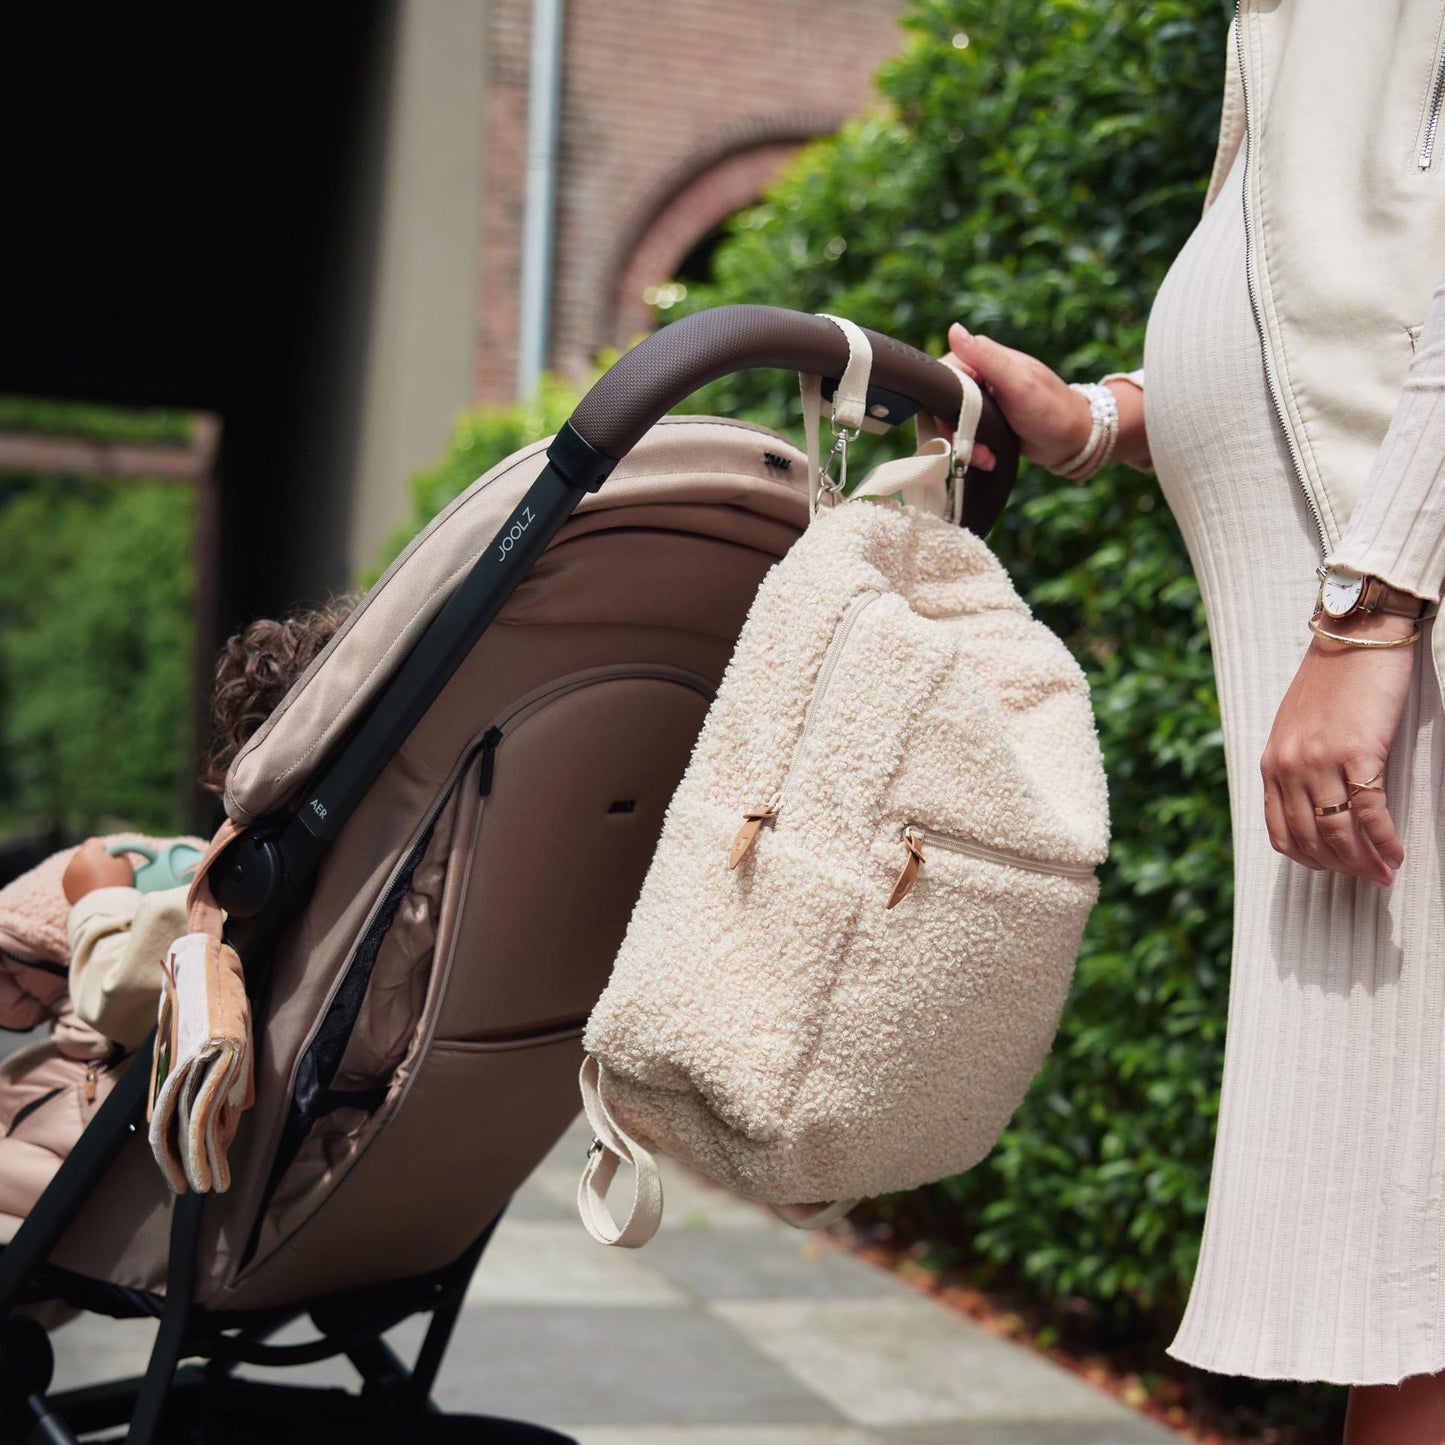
x: 1362, y: 641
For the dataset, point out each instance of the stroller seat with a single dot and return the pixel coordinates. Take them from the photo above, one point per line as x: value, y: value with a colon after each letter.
x: 457, y: 804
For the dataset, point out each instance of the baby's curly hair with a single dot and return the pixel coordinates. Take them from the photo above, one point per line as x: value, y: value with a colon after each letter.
x: 255, y: 670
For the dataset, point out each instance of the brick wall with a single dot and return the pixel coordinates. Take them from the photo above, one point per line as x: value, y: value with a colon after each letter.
x: 672, y: 117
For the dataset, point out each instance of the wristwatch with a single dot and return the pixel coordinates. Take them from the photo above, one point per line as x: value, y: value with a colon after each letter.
x: 1344, y: 593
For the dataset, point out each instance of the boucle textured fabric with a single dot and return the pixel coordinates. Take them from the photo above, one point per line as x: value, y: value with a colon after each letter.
x: 778, y: 1024
x: 1325, y: 1229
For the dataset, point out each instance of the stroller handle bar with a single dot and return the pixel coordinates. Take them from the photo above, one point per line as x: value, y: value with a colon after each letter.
x: 659, y: 372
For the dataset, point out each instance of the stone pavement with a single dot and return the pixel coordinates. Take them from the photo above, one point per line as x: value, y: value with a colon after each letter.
x: 728, y: 1329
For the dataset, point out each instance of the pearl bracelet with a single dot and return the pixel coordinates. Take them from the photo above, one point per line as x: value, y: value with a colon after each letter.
x: 1103, y: 434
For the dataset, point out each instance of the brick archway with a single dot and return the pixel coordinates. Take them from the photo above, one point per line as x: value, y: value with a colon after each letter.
x: 685, y: 219
x: 695, y: 197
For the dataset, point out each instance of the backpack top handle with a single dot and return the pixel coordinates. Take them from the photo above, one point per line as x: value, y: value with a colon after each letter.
x: 669, y: 365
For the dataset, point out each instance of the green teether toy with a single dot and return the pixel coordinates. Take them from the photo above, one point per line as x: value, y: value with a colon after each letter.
x: 168, y: 867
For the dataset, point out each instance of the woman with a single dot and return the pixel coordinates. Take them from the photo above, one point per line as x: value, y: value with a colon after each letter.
x: 1295, y: 414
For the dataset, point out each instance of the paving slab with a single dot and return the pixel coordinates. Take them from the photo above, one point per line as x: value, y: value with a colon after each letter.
x: 720, y: 1263
x: 624, y: 1366
x: 532, y: 1263
x: 914, y: 1362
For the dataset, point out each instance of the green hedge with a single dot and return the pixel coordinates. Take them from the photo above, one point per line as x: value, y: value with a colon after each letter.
x: 1042, y: 163
x: 96, y: 653
x: 155, y: 426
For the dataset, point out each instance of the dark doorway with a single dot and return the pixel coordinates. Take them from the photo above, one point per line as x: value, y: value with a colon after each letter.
x: 190, y: 220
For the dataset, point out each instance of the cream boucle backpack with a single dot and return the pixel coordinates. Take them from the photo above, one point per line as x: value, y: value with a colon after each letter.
x: 850, y: 954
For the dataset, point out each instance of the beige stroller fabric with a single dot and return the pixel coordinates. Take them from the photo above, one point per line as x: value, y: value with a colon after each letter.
x: 479, y: 892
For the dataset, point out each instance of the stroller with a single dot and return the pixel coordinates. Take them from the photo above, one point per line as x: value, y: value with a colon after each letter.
x: 446, y: 824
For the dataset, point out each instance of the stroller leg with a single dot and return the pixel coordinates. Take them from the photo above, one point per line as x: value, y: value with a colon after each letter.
x: 171, y: 1337
x: 444, y: 1318
x: 75, y: 1180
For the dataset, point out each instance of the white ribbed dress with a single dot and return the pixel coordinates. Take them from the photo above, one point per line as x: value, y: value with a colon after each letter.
x: 1325, y: 1233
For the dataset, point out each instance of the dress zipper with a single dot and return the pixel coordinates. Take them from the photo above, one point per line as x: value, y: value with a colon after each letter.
x: 754, y: 818
x: 916, y: 839
x: 1432, y: 114
x: 1251, y: 276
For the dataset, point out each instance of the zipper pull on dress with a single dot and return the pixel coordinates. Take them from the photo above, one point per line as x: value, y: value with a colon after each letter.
x: 754, y: 819
x: 909, y: 874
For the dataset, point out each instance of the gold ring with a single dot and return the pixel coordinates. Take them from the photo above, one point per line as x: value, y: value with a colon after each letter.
x: 1330, y: 809
x: 1373, y: 786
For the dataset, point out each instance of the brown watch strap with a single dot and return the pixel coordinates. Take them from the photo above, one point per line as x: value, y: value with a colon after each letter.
x: 1378, y: 596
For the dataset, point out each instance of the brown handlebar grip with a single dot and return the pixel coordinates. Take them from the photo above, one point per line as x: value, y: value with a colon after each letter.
x: 655, y: 375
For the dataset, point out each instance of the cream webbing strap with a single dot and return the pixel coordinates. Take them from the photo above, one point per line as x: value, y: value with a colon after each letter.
x: 850, y: 400
x: 965, y: 433
x: 613, y: 1146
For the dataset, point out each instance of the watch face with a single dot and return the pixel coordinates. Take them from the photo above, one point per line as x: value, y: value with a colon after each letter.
x: 1341, y: 591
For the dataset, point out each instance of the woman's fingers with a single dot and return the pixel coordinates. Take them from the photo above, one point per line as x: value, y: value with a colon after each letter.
x: 999, y: 370
x: 1352, y: 851
x: 1358, y: 841
x: 1372, y: 816
x: 956, y: 362
x: 1307, y: 847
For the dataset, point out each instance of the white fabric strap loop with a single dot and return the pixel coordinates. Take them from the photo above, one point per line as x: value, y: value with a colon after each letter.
x: 850, y: 400
x: 613, y: 1146
x: 933, y: 477
x: 965, y: 433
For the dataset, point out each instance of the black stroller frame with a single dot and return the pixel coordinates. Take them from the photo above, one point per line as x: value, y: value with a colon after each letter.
x: 265, y: 879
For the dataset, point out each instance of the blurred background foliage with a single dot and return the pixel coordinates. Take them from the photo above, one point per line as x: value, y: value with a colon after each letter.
x: 96, y: 637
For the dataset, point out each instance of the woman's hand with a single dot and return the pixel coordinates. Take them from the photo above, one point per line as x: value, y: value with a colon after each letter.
x: 1335, y: 726
x: 1051, y: 419
x: 92, y: 867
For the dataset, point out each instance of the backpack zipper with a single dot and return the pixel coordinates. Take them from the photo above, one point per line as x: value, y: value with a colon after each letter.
x: 754, y: 818
x: 915, y: 839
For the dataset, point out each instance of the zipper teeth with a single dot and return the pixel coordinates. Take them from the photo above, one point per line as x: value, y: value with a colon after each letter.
x: 969, y: 849
x: 1432, y: 122
x: 44, y: 965
x: 1252, y: 278
x: 820, y: 688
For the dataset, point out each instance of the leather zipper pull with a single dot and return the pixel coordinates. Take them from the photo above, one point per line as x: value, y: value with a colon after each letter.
x: 909, y: 874
x: 90, y: 1086
x: 747, y: 834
